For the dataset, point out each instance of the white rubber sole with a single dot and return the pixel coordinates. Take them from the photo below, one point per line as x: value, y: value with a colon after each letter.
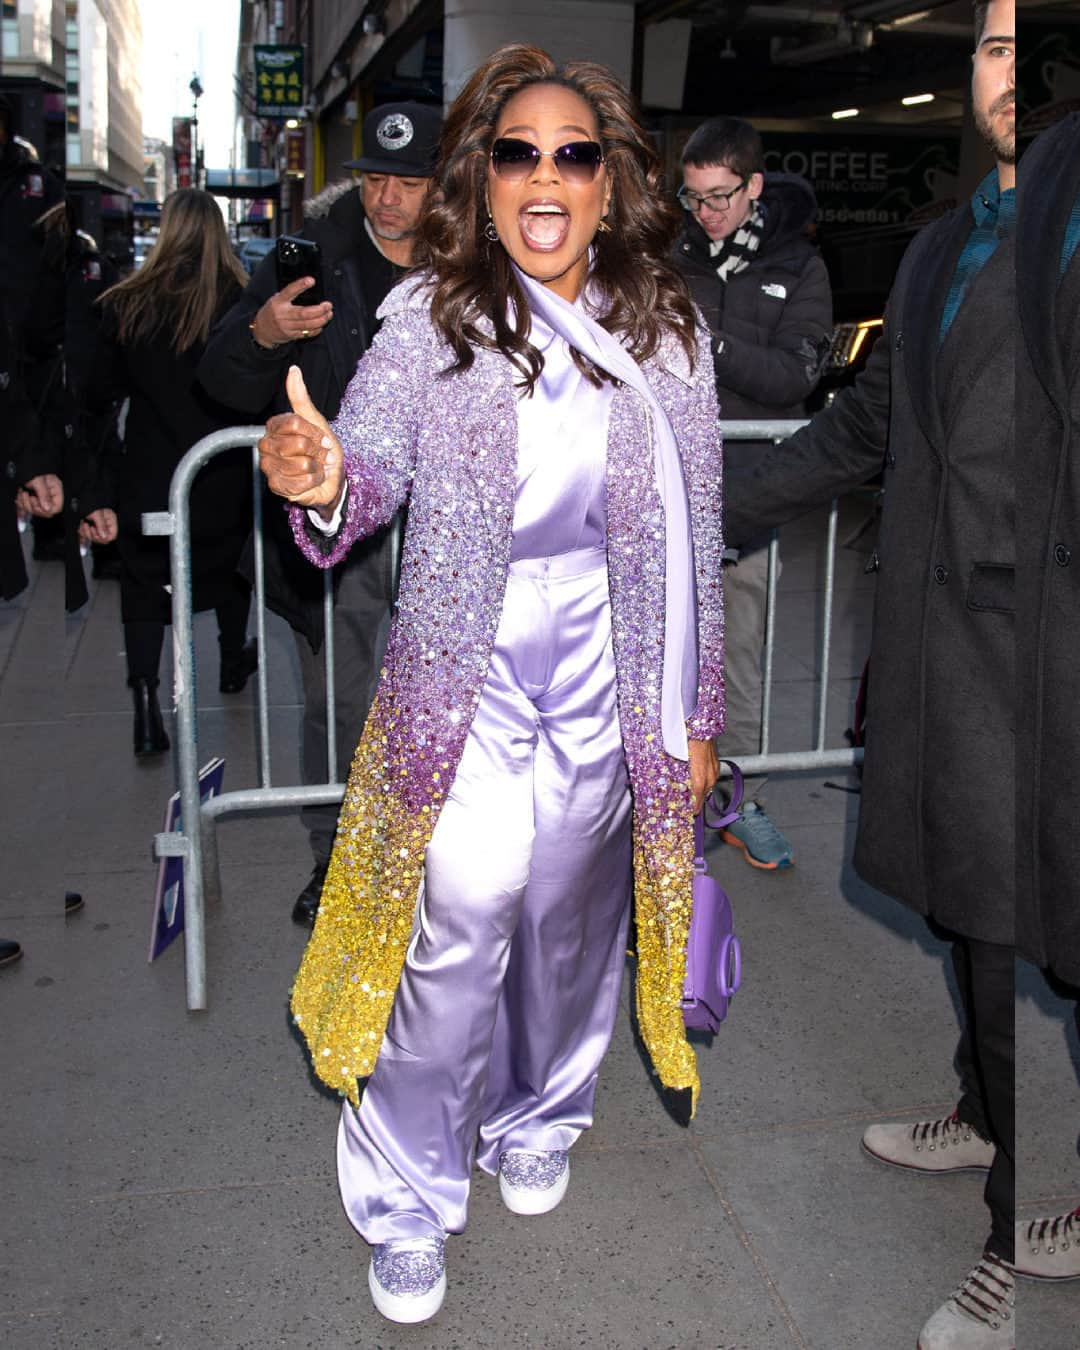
x: 407, y: 1308
x: 519, y: 1200
x: 951, y: 1170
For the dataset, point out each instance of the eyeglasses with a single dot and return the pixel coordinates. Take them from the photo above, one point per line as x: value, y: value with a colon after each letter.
x: 577, y: 162
x: 715, y: 201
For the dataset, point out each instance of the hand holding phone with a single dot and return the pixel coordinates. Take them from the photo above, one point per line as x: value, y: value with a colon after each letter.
x: 297, y: 258
x: 288, y: 316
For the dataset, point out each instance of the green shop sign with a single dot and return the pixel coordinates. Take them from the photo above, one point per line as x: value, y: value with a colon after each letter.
x: 279, y: 81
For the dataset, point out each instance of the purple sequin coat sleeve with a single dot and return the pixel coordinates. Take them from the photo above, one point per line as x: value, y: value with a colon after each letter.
x: 377, y: 427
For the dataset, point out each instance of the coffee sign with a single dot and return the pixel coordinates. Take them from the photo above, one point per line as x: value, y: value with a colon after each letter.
x: 870, y: 181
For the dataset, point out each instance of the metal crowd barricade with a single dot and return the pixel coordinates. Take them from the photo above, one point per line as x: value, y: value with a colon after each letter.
x: 196, y: 840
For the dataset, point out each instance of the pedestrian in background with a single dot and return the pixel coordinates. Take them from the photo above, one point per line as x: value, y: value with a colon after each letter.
x: 764, y: 291
x: 153, y: 334
x: 543, y: 730
x: 366, y: 233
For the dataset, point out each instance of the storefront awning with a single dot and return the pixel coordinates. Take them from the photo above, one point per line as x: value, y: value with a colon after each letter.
x: 246, y: 183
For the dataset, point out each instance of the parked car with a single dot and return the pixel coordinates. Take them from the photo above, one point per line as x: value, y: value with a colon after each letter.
x: 252, y: 251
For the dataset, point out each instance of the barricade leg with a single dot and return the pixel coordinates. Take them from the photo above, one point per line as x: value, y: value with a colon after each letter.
x: 210, y: 859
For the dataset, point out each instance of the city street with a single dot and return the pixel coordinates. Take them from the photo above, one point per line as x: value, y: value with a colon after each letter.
x: 168, y: 1178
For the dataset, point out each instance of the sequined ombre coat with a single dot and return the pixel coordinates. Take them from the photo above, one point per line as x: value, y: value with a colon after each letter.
x: 448, y: 445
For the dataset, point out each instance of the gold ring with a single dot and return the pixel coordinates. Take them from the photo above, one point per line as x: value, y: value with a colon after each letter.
x: 304, y: 333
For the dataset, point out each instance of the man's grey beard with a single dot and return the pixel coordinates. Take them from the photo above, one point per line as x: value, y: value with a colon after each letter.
x: 1004, y: 147
x: 394, y: 236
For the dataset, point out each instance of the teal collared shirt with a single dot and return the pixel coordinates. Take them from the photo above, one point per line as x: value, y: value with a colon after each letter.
x: 1072, y: 236
x: 994, y: 214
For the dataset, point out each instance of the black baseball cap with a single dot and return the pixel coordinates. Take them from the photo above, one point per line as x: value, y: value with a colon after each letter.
x: 400, y: 138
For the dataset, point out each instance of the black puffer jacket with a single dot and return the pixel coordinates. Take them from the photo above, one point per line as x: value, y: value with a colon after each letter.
x: 241, y: 375
x: 772, y: 322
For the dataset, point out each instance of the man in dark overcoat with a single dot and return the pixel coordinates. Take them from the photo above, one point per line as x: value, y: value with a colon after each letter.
x: 366, y: 238
x: 936, y: 828
x: 1048, y: 578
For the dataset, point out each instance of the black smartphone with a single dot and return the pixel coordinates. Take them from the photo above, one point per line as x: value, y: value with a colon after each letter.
x: 296, y: 258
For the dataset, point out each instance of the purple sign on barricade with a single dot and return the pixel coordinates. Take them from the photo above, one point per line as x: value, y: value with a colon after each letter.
x: 169, y: 895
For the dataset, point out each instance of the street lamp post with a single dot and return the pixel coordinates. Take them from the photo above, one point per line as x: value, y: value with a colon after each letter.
x: 196, y: 156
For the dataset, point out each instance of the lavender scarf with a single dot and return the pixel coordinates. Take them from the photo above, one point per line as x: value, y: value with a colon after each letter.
x: 679, y: 689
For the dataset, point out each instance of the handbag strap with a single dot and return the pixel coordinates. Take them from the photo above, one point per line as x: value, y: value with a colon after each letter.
x: 721, y: 815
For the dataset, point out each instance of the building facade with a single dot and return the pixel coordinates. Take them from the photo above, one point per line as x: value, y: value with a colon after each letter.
x: 71, y: 67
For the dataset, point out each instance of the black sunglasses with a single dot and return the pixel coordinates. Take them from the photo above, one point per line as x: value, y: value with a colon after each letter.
x: 576, y: 162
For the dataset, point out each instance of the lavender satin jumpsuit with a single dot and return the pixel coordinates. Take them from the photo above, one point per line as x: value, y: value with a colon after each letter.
x: 510, y: 988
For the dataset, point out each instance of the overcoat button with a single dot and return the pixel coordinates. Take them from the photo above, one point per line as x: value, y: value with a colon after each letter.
x: 890, y: 458
x: 873, y: 563
x: 1062, y: 555
x: 899, y: 342
x: 941, y: 574
x: 74, y: 504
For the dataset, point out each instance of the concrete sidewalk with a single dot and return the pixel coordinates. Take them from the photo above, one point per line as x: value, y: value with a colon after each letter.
x: 168, y: 1178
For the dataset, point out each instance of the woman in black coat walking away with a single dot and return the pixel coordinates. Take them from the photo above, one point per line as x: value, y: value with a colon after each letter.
x: 153, y: 334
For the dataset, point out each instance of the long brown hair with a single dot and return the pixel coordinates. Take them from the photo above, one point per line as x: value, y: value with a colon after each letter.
x: 185, y: 278
x: 646, y: 297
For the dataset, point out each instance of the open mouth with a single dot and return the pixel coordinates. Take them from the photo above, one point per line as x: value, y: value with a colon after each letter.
x: 544, y: 225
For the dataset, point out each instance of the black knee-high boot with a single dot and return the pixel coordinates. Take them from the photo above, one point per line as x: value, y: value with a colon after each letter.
x: 149, y: 733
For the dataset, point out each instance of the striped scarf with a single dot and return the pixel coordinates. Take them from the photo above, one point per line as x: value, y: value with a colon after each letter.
x: 735, y: 253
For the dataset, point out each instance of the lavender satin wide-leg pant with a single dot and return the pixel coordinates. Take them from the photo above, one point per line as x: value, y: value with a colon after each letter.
x: 511, y: 983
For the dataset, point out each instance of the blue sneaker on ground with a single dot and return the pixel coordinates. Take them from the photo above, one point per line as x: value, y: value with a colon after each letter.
x: 761, y: 842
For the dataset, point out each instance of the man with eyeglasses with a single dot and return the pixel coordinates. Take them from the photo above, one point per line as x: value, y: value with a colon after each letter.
x: 765, y: 295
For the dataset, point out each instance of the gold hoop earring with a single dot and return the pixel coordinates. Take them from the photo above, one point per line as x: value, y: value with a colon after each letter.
x: 603, y: 227
x: 491, y: 234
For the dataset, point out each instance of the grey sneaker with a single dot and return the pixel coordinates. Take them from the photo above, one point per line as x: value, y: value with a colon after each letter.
x: 533, y: 1181
x: 761, y: 842
x: 1049, y: 1249
x: 980, y: 1315
x: 407, y: 1278
x: 946, y: 1145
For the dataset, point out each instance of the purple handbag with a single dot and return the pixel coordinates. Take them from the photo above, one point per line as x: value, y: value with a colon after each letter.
x: 713, y: 957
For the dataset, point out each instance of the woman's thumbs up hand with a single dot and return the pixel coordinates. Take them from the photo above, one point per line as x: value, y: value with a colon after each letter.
x: 299, y: 454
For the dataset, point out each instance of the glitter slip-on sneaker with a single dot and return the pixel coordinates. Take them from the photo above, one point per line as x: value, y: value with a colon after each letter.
x: 407, y: 1278
x: 533, y: 1181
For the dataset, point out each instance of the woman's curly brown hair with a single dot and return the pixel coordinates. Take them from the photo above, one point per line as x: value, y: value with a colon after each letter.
x: 474, y: 277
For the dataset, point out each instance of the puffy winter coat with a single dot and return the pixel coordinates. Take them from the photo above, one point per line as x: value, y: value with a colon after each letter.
x: 771, y: 323
x: 238, y: 373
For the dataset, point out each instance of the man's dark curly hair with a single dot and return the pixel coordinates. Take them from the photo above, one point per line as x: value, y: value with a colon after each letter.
x: 982, y: 8
x: 473, y: 278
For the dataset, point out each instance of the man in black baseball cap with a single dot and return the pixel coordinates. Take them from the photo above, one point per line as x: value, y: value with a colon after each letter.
x: 365, y: 235
x: 400, y: 138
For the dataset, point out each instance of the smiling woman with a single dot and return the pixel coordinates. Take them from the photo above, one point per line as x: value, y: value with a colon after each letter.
x: 542, y: 733
x: 546, y: 205
x: 482, y: 178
